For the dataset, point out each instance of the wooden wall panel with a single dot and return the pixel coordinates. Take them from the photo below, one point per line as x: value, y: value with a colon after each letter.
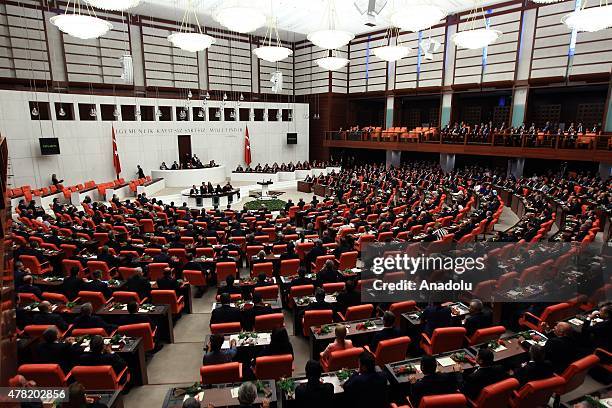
x: 551, y: 41
x: 309, y: 78
x: 431, y: 72
x: 367, y: 72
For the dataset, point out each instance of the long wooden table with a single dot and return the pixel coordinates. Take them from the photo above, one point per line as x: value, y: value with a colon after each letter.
x: 359, y: 335
x: 160, y: 314
x: 221, y: 395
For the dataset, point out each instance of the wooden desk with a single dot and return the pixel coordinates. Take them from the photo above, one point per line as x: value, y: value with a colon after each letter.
x: 288, y: 399
x: 359, y: 336
x: 160, y: 314
x: 394, y: 369
x: 301, y: 304
x: 304, y: 187
x: 220, y: 396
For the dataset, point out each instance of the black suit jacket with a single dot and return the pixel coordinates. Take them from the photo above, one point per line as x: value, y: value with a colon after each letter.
x: 316, y: 394
x: 113, y: 359
x: 225, y: 314
x: 482, y: 377
x: 63, y: 354
x: 248, y: 320
x: 166, y: 283
x: 71, y: 286
x: 387, y: 333
x: 561, y: 352
x: 437, y: 383
x: 136, y: 318
x: 30, y: 289
x: 366, y: 390
x: 533, y: 371
x: 98, y: 286
x: 90, y: 322
x: 477, y: 321
x: 50, y: 318
x: 140, y: 285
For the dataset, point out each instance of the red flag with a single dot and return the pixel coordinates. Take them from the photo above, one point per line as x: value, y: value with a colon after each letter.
x: 116, y: 162
x: 247, y: 147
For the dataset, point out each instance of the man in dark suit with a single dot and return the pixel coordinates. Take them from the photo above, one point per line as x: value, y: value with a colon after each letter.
x: 101, y: 354
x: 45, y: 316
x: 301, y: 279
x: 86, y: 320
x: 486, y: 374
x: 139, y: 284
x: 317, y: 250
x: 432, y: 382
x: 72, y: 284
x: 230, y: 286
x: 348, y: 297
x: 367, y: 388
x: 290, y: 253
x: 537, y: 368
x: 105, y: 255
x: 50, y: 351
x: 328, y: 274
x: 19, y: 273
x: 96, y: 285
x: 163, y: 257
x: 388, y: 332
x: 319, y: 303
x: 259, y: 308
x: 225, y: 313
x: 314, y: 393
x: 167, y: 282
x: 560, y: 349
x: 599, y: 334
x: 28, y: 287
x: 435, y: 316
x: 478, y: 318
x: 133, y: 317
x: 191, y: 265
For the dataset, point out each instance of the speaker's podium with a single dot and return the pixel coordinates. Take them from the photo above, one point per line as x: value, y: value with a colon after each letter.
x: 264, y: 189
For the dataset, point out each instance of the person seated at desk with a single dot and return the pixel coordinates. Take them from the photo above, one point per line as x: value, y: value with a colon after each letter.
x: 72, y: 284
x: 194, y: 191
x: 19, y: 273
x: 230, y: 286
x: 209, y: 188
x: 290, y: 253
x: 486, y: 374
x: 302, y: 279
x: 247, y: 394
x: 96, y: 285
x: 561, y: 348
x: 105, y: 256
x: 328, y: 274
x: 279, y: 343
x: 101, y: 354
x: 227, y: 187
x: 537, y: 368
x: 314, y: 392
x: 259, y: 308
x: 168, y: 282
x: 319, y: 303
x: 133, y: 317
x: 340, y: 343
x: 432, y: 382
x: 31, y: 249
x: 163, y: 256
x: 225, y: 313
x: 51, y: 351
x: 478, y: 318
x: 139, y: 284
x: 214, y: 353
x: 388, y: 332
x: 348, y: 297
x: 78, y: 399
x: 46, y: 317
x: 87, y: 320
x: 599, y: 334
x: 175, y: 166
x: 258, y: 168
x: 366, y: 388
x: 435, y: 316
x: 28, y: 287
x: 55, y: 181
x: 163, y: 166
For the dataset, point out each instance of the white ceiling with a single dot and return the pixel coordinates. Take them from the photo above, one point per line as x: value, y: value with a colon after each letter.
x: 297, y: 18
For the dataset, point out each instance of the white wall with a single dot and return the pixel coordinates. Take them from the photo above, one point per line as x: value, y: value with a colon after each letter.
x: 86, y: 146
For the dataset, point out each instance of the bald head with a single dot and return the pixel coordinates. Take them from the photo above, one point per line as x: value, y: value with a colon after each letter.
x: 563, y: 329
x: 44, y: 306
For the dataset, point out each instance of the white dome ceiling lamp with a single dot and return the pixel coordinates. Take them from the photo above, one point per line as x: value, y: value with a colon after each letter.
x: 238, y: 16
x: 113, y: 5
x: 474, y: 38
x: 187, y: 40
x: 416, y: 17
x: 272, y: 49
x: 332, y: 62
x: 330, y: 38
x: 590, y: 19
x: 80, y: 21
x: 395, y: 50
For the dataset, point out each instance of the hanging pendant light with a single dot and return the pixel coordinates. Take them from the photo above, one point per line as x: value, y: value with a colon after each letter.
x: 207, y: 97
x: 201, y: 113
x: 474, y: 38
x: 332, y: 62
x: 61, y: 112
x: 590, y: 19
x: 183, y: 114
x: 241, y: 97
x: 159, y: 113
x: 330, y: 38
x: 392, y: 52
x: 116, y: 113
x: 35, y: 111
x: 76, y: 24
x: 272, y: 49
x: 187, y: 40
x: 233, y: 114
x: 279, y: 116
x: 113, y: 5
x: 93, y: 113
x: 224, y: 96
x: 218, y: 114
x: 237, y: 15
x: 417, y: 17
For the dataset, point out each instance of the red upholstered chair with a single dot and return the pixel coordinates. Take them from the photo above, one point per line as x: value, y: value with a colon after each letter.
x: 263, y: 267
x: 318, y: 264
x: 152, y: 251
x: 102, y: 267
x: 301, y: 290
x: 442, y: 401
x: 334, y: 287
x: 551, y: 315
x: 168, y: 297
x: 400, y: 308
x: 36, y: 330
x: 496, y: 395
x: 274, y: 367
x: 68, y: 249
x: 68, y: 264
x: 289, y: 267
x: 55, y: 297
x: 389, y: 351
x: 96, y: 299
x: 221, y: 373
x: 100, y: 377
x: 443, y: 339
x: 180, y: 253
x: 127, y: 297
x: 316, y: 318
x: 27, y: 298
x: 36, y: 268
x: 195, y: 278
x: 45, y: 375
x: 576, y: 372
x: 485, y: 289
x: 156, y: 270
x: 126, y: 273
x: 101, y: 237
x: 147, y: 225
x: 486, y: 335
x: 301, y: 248
x: 536, y: 393
x: 268, y: 322
x: 348, y: 358
x: 225, y: 328
x: 225, y: 269
x: 142, y: 330
x: 358, y: 312
x: 507, y: 281
x: 267, y: 292
x: 91, y: 332
x: 348, y: 260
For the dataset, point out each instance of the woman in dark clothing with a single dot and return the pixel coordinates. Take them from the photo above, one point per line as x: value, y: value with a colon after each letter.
x: 279, y: 343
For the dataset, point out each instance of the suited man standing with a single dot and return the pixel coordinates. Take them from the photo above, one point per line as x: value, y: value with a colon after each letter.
x: 225, y: 313
x: 486, y: 374
x: 45, y: 316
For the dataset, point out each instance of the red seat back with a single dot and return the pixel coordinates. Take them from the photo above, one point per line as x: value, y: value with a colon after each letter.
x: 225, y: 269
x: 316, y: 318
x: 221, y: 373
x: 269, y: 322
x: 348, y: 260
x: 99, y: 266
x: 263, y: 267
x: 447, y: 339
x: 575, y: 374
x: 400, y: 308
x: 195, y: 278
x: 126, y: 297
x: 267, y: 292
x: 497, y: 395
x: 167, y: 297
x: 142, y: 330
x: 156, y: 270
x: 486, y: 334
x: 44, y: 375
x: 96, y: 299
x: 224, y: 328
x: 55, y: 297
x: 347, y: 358
x: 443, y: 401
x: 359, y: 312
x: 537, y: 393
x: 274, y: 367
x: 301, y: 290
x: 96, y: 377
x: 392, y: 350
x: 334, y: 287
x: 289, y: 267
x: 90, y: 332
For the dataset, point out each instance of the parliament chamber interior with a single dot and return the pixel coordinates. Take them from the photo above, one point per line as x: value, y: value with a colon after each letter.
x: 310, y: 204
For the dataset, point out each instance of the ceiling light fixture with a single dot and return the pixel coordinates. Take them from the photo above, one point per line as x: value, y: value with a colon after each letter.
x: 191, y: 41
x: 589, y: 19
x: 417, y: 17
x: 474, y: 38
x: 113, y: 5
x: 330, y: 38
x: 93, y: 113
x: 392, y: 52
x: 236, y: 16
x: 332, y: 62
x: 76, y: 24
x: 272, y: 49
x: 35, y: 111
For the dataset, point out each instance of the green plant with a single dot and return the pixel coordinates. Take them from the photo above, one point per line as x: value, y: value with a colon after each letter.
x: 272, y: 205
x: 70, y: 305
x: 405, y: 369
x: 193, y: 389
x: 344, y: 374
x: 287, y: 385
x: 247, y: 335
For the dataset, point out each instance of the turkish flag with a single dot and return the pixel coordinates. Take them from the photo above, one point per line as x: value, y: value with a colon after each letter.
x: 116, y: 162
x: 247, y: 147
